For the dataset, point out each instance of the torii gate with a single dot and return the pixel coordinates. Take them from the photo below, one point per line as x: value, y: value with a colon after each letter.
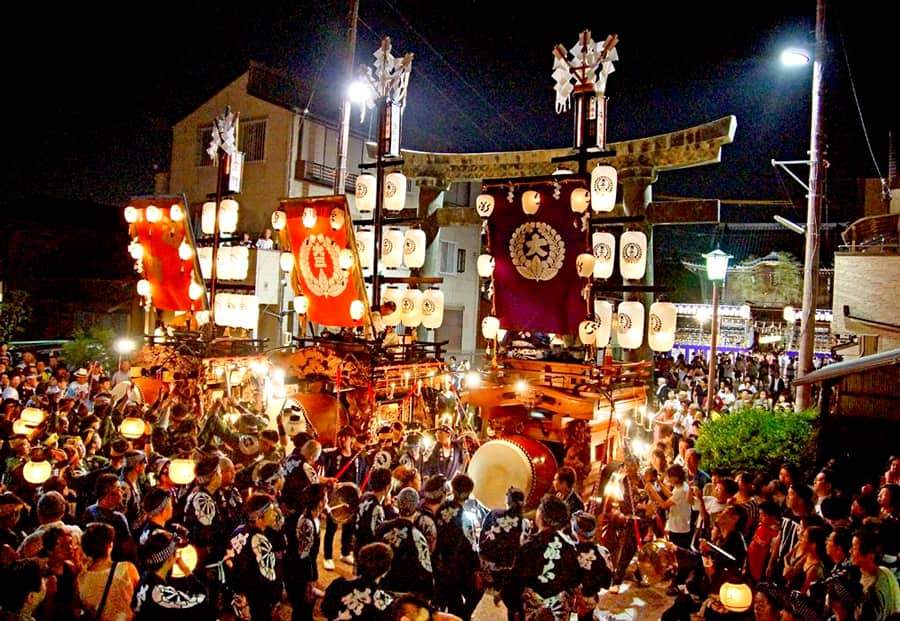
x: 638, y: 163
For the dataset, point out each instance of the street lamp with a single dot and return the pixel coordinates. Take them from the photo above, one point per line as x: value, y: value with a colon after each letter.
x: 123, y: 346
x: 716, y: 269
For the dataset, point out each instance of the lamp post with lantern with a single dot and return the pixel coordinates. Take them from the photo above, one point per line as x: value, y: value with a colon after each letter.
x: 716, y: 270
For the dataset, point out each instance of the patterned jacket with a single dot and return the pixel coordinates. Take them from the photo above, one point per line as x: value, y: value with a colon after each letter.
x: 356, y: 599
x: 411, y: 570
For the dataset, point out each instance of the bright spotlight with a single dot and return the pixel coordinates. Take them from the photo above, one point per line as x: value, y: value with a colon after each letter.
x: 124, y: 346
x: 795, y: 56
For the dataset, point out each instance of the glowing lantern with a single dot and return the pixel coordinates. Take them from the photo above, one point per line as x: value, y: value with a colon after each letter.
x: 195, y: 290
x: 736, y: 597
x: 228, y: 215
x: 414, y: 248
x: 631, y: 325
x: 208, y: 218
x: 309, y: 217
x: 136, y: 250
x: 604, y: 249
x: 279, y: 220
x: 357, y: 308
x: 531, y: 202
x: 489, y: 327
x: 187, y: 557
x: 364, y: 240
x: 433, y: 308
x: 484, y: 205
x: 301, y: 304
x: 365, y: 192
x: 131, y: 214
x: 392, y: 248
x: 790, y: 314
x: 587, y: 332
x: 395, y: 295
x: 345, y: 259
x: 153, y: 214
x: 143, y: 287
x: 584, y: 264
x: 22, y: 428
x: 395, y: 191
x: 286, y: 261
x: 633, y: 255
x: 661, y: 326
x: 579, y: 200
x: 32, y: 416
x: 485, y: 265
x: 603, y: 317
x: 202, y: 317
x: 184, y: 251
x: 181, y: 470
x: 132, y: 427
x: 176, y: 213
x: 37, y: 472
x: 411, y: 308
x: 603, y: 188
x: 336, y: 219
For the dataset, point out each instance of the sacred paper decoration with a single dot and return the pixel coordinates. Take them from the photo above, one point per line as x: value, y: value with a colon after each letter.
x: 633, y: 255
x: 489, y: 327
x: 603, y: 188
x: 631, y: 325
x: 395, y: 191
x: 411, y: 308
x: 584, y: 264
x: 228, y: 215
x: 484, y: 205
x: 365, y: 192
x: 414, y: 248
x: 392, y: 248
x: 432, y: 308
x: 337, y: 218
x: 531, y: 202
x: 395, y: 295
x: 604, y: 249
x: 603, y: 315
x: 587, y: 332
x: 357, y: 308
x: 485, y: 265
x: 661, y: 326
x: 208, y: 218
x: 579, y: 200
x: 365, y: 238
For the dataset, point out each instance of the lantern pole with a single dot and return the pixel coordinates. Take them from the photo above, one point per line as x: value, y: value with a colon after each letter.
x: 716, y: 270
x: 221, y: 147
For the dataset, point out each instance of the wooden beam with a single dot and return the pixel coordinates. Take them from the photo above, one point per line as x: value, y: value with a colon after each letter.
x: 699, y: 211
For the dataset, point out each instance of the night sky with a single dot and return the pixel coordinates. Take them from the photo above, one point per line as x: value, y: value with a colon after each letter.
x: 92, y: 93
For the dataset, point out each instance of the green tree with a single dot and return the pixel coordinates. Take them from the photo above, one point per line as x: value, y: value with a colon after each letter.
x: 15, y: 313
x: 87, y: 346
x: 759, y: 441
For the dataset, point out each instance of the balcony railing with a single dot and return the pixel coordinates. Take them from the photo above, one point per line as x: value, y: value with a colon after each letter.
x: 320, y: 173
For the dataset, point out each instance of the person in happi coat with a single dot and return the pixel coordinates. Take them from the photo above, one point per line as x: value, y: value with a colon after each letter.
x: 361, y: 598
x: 374, y: 506
x: 456, y: 562
x: 594, y: 563
x: 502, y: 533
x: 302, y: 530
x: 411, y: 570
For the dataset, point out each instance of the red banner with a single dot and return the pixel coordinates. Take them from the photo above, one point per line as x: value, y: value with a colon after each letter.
x: 316, y: 249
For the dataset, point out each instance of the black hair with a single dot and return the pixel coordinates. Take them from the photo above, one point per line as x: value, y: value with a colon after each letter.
x: 20, y: 578
x: 380, y: 479
x: 374, y: 560
x: 96, y: 539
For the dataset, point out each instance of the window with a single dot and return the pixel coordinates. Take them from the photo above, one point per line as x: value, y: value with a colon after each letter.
x: 251, y: 140
x: 453, y: 258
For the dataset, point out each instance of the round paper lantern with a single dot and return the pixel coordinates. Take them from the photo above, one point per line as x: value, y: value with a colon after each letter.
x: 345, y: 259
x: 365, y: 237
x: 336, y: 219
x: 181, y: 470
x: 603, y: 246
x: 176, y: 213
x: 531, y: 202
x: 579, y: 200
x: 395, y: 191
x: 584, y: 264
x: 301, y: 304
x: 633, y: 255
x: 485, y: 265
x: 132, y: 427
x: 736, y: 597
x: 395, y: 295
x: 365, y: 192
x: 154, y: 214
x: 357, y: 308
x: 603, y: 188
x: 22, y: 428
x: 414, y: 248
x: 32, y: 416
x: 392, y: 248
x: 661, y: 326
x: 131, y: 214
x: 136, y: 250
x: 309, y: 217
x: 286, y: 261
x: 185, y: 252
x: 587, y: 332
x: 603, y: 315
x: 195, y: 290
x: 489, y: 327
x: 484, y: 205
x: 432, y: 308
x: 208, y: 218
x: 789, y: 314
x: 228, y: 215
x: 187, y: 557
x: 631, y: 325
x: 279, y: 220
x: 411, y: 308
x: 37, y: 472
x: 143, y: 287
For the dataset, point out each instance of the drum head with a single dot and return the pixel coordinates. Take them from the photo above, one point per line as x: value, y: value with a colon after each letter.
x: 498, y: 465
x: 343, y: 501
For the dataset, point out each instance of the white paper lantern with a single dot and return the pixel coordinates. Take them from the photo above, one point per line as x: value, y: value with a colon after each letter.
x: 603, y: 188
x: 186, y: 556
x: 414, y: 248
x: 489, y: 327
x: 204, y: 256
x: 279, y: 220
x: 143, y: 287
x: 345, y: 259
x: 336, y: 218
x: 584, y: 264
x: 195, y: 290
x: 631, y: 325
x: 357, y: 308
x: 485, y: 265
x: 661, y: 326
x: 286, y: 261
x: 309, y: 217
x: 365, y: 192
x: 579, y: 200
x: 395, y: 295
x: 228, y: 215
x: 248, y: 312
x: 154, y: 214
x: 603, y: 315
x: 604, y: 250
x: 365, y: 237
x: 176, y: 213
x: 484, y: 205
x: 37, y: 472
x: 392, y: 248
x: 202, y: 317
x: 395, y: 191
x: 131, y: 214
x: 301, y: 304
x: 587, y: 332
x: 633, y: 255
x: 433, y: 308
x: 32, y: 416
x: 208, y: 218
x: 181, y: 470
x: 136, y: 250
x: 185, y: 252
x: 531, y: 202
x: 411, y: 308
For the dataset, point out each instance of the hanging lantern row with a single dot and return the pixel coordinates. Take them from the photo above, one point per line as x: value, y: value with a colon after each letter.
x: 414, y: 307
x: 629, y: 325
x: 237, y: 310
x: 232, y: 262
x: 228, y: 216
x: 152, y: 213
x: 632, y: 255
x: 397, y: 247
x: 394, y: 195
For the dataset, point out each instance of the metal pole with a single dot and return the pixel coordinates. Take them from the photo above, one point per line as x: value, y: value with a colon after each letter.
x: 807, y: 347
x: 340, y: 173
x: 713, y: 353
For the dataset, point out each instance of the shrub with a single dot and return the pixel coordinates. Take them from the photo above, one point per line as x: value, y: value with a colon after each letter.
x: 759, y: 441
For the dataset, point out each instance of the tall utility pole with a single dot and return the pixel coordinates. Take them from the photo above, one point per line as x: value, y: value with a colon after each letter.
x: 807, y: 348
x: 340, y: 173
